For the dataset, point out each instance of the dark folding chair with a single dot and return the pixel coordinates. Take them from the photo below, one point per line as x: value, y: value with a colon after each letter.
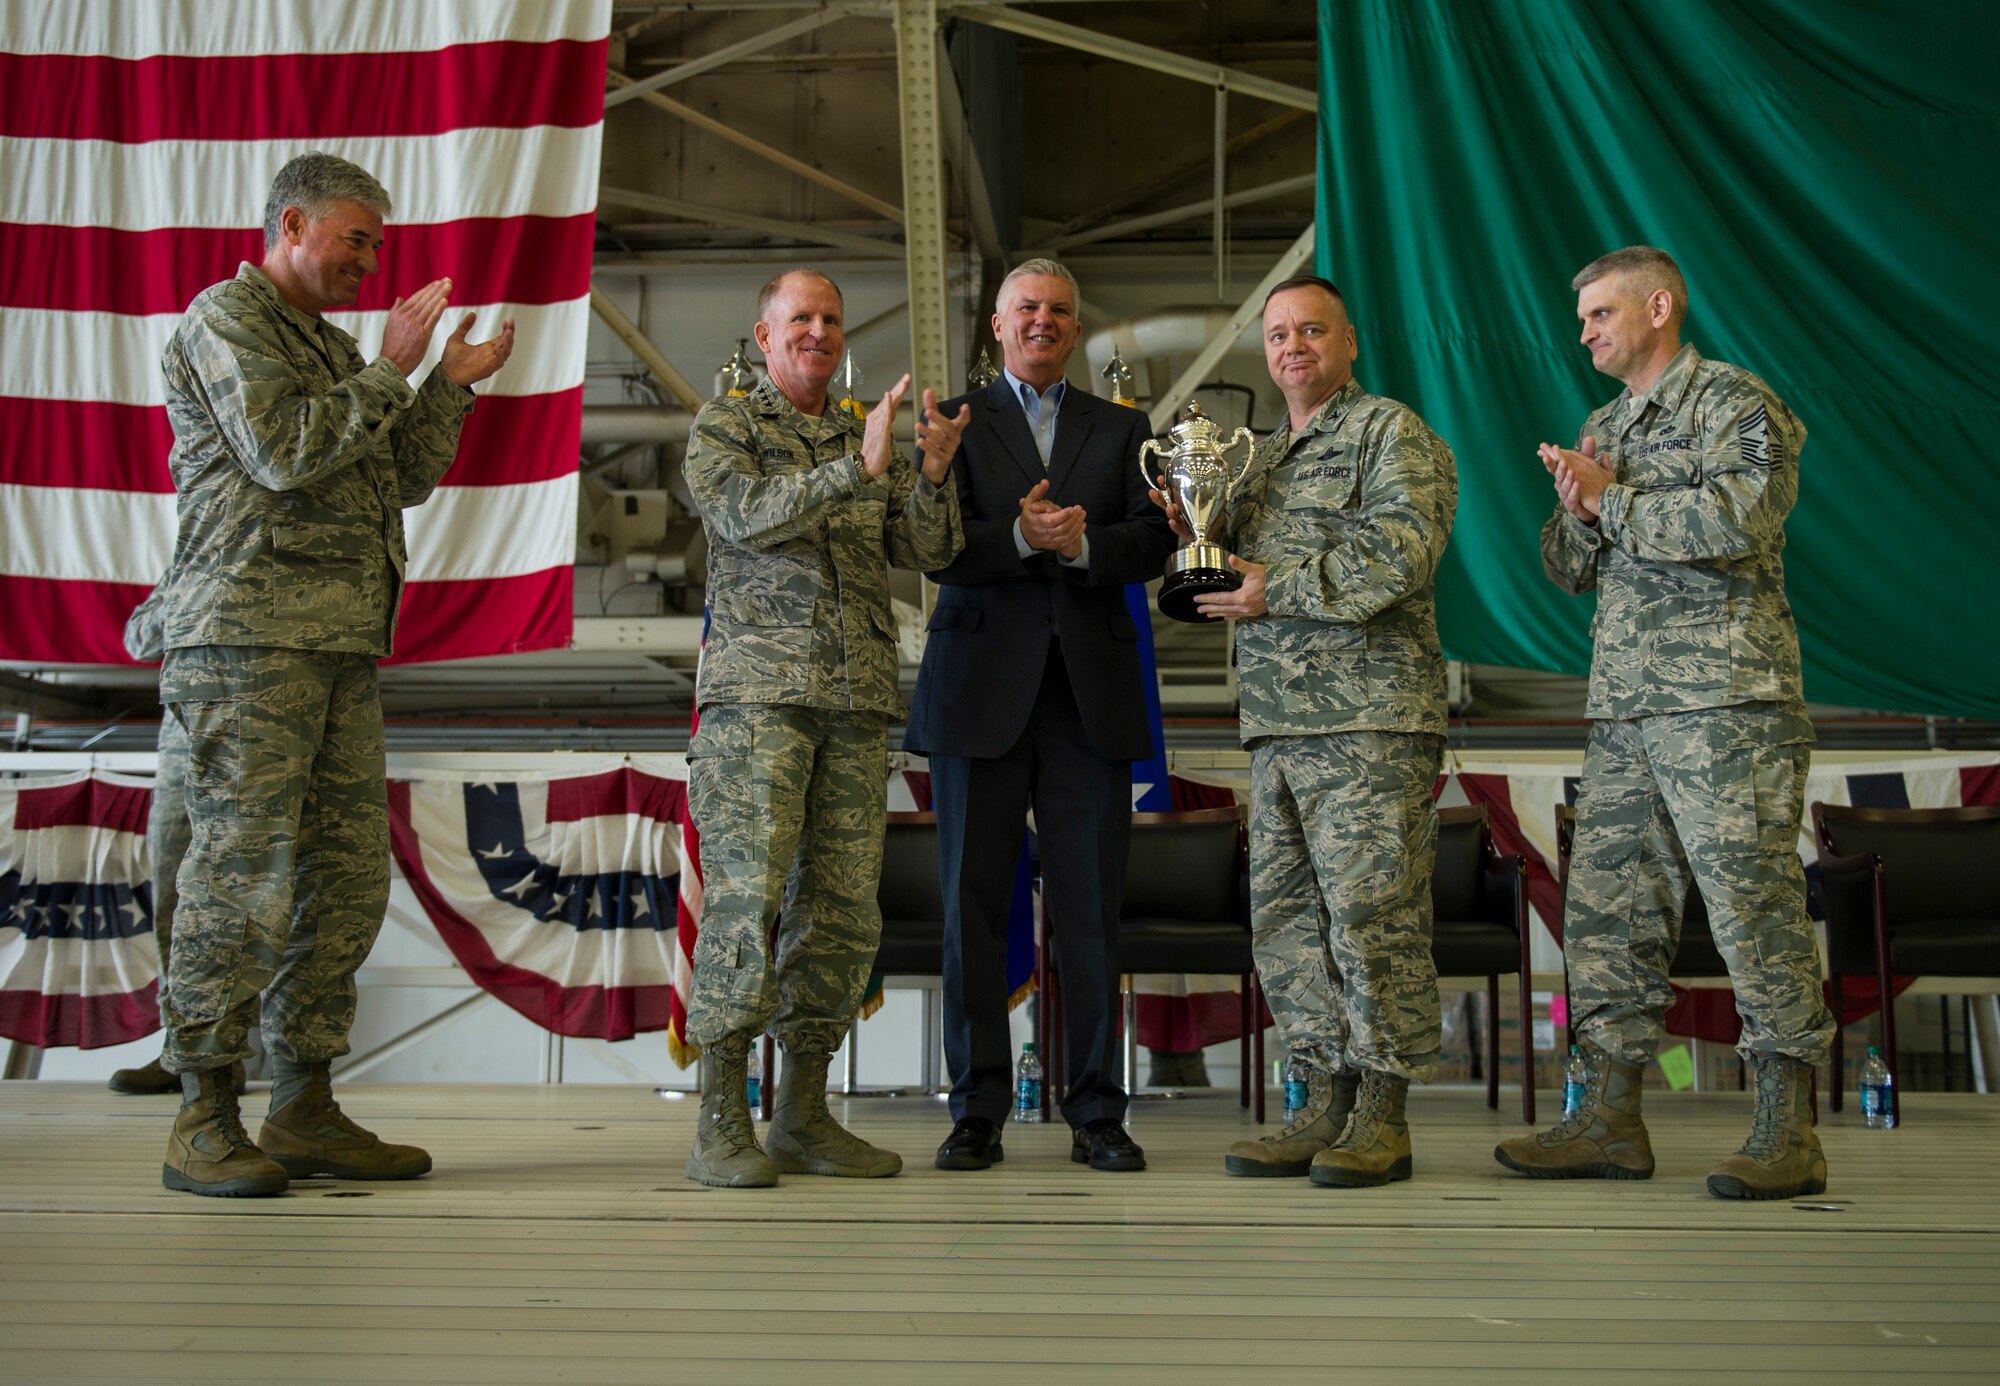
x: 1480, y: 928
x: 1185, y: 909
x: 912, y: 932
x: 1911, y: 892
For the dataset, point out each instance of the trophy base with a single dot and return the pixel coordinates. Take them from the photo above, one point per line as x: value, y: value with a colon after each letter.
x: 1192, y: 572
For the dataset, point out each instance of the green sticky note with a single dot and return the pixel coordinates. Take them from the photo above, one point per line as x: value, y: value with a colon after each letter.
x: 1678, y: 1066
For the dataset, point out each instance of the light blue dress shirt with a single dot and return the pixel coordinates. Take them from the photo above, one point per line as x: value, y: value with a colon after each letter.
x: 1041, y: 410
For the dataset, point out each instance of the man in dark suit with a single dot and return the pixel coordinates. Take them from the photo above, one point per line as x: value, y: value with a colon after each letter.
x: 1031, y: 693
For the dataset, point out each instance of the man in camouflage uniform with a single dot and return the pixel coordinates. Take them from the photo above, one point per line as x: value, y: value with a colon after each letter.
x: 1338, y: 526
x: 167, y: 834
x: 1672, y: 506
x: 293, y: 458
x: 804, y: 507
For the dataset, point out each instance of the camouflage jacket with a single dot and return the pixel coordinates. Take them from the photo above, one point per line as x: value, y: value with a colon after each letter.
x: 145, y: 640
x: 1687, y: 555
x: 799, y: 543
x: 294, y: 460
x: 1351, y: 519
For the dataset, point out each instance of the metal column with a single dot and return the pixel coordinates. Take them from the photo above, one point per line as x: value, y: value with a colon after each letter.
x: 923, y: 196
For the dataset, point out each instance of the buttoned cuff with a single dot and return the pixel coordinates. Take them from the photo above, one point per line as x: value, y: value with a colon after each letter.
x: 1612, y: 507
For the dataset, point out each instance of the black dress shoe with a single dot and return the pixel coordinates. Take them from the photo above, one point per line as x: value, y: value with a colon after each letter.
x: 974, y: 1143
x: 1103, y: 1144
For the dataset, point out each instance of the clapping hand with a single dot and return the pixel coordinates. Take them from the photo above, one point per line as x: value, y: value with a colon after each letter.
x: 463, y: 363
x: 406, y: 337
x: 1046, y: 526
x: 1580, y: 478
x: 876, y: 445
x: 938, y: 437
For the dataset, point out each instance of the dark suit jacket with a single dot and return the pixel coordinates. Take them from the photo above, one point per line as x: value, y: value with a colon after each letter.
x: 997, y: 612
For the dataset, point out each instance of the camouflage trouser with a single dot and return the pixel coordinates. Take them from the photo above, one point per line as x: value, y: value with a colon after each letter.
x: 286, y: 878
x: 789, y: 802
x: 167, y: 834
x: 1711, y: 797
x: 1343, y: 834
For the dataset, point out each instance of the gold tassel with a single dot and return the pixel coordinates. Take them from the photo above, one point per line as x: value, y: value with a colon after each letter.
x: 680, y: 1051
x: 1022, y: 993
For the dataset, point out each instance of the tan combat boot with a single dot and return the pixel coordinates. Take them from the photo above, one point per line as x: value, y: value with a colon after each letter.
x: 308, y: 1134
x: 726, y: 1153
x: 1602, y: 1139
x: 1782, y: 1158
x: 209, y: 1153
x: 805, y: 1139
x: 150, y: 1080
x: 1374, y: 1148
x: 1289, y: 1151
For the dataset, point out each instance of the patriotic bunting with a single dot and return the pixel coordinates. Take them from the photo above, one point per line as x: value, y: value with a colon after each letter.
x: 78, y: 965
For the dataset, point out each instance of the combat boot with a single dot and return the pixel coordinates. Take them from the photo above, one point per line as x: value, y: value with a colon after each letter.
x: 147, y: 1080
x: 805, y: 1139
x: 726, y: 1153
x: 150, y: 1080
x: 308, y: 1134
x: 1782, y: 1158
x: 209, y: 1153
x: 1288, y: 1152
x: 1374, y: 1147
x: 1602, y: 1139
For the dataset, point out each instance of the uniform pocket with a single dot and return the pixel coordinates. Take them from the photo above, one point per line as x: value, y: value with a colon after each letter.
x: 1690, y: 654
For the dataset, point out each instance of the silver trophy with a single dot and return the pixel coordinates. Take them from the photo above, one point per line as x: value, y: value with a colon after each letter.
x: 1198, y: 479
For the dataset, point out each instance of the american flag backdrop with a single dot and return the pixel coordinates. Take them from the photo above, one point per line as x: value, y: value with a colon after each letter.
x: 139, y: 141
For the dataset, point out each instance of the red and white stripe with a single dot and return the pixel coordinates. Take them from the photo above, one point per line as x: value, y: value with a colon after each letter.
x: 85, y: 829
x: 140, y: 141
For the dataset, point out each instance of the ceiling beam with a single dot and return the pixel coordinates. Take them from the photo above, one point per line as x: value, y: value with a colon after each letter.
x: 642, y: 347
x: 1126, y: 51
x: 708, y: 62
x: 1165, y: 406
x: 722, y: 130
x: 1149, y: 187
x: 1263, y: 192
x: 962, y: 154
x: 747, y: 221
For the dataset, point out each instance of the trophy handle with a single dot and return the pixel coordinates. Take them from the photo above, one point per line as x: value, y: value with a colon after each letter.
x: 1151, y: 445
x: 1242, y: 435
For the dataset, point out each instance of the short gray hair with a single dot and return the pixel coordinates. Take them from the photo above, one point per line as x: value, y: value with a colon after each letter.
x: 775, y: 285
x: 1040, y: 265
x: 1651, y: 268
x: 313, y: 182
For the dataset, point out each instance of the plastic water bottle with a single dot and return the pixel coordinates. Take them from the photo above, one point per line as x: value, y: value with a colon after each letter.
x: 1028, y: 1085
x: 753, y: 1078
x: 1576, y: 1081
x: 1878, y: 1093
x: 1295, y: 1089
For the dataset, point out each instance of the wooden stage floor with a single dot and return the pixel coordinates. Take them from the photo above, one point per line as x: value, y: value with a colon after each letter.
x: 558, y: 1241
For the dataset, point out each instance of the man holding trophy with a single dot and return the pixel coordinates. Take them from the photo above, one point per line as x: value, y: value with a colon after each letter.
x: 1337, y: 525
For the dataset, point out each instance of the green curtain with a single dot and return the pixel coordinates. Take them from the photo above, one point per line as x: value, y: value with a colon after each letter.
x: 1827, y: 172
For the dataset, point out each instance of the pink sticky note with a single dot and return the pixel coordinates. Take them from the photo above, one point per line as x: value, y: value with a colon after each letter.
x: 1558, y: 1009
